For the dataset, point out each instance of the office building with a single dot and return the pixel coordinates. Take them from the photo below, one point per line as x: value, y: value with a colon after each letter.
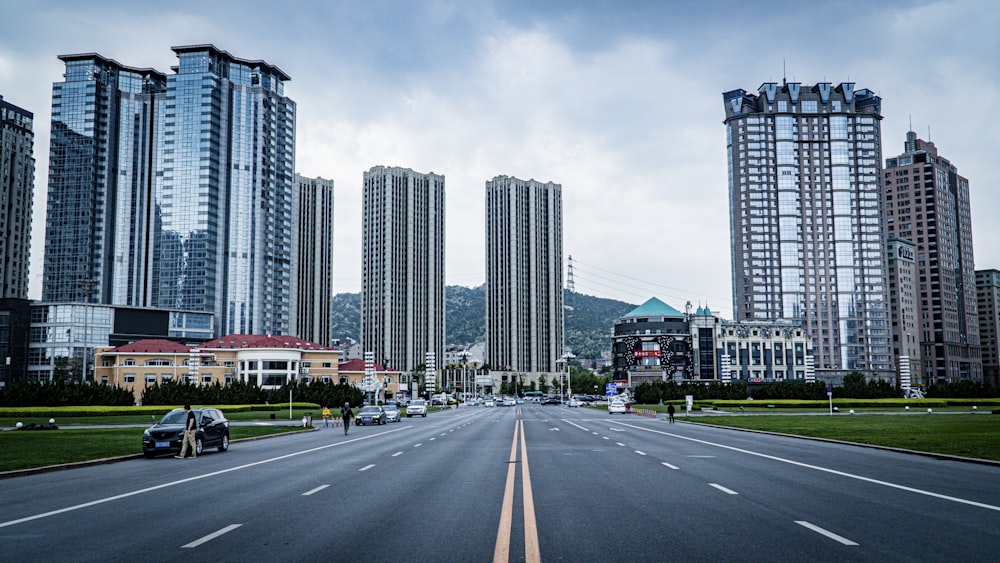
x: 524, y: 278
x: 988, y: 306
x: 402, y: 289
x: 225, y: 173
x: 17, y: 184
x: 904, y: 312
x: 927, y: 203
x: 173, y: 192
x: 312, y: 231
x: 804, y: 168
x: 99, y: 213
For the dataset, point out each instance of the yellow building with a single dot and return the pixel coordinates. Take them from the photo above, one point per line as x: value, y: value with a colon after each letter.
x: 268, y: 361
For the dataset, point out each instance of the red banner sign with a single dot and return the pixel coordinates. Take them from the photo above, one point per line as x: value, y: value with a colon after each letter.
x: 646, y: 353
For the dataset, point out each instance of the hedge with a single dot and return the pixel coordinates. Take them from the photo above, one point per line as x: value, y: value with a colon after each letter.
x: 154, y: 410
x: 840, y: 403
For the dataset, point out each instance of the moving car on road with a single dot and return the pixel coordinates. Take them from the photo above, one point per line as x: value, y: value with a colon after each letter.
x: 371, y: 414
x: 616, y: 406
x: 165, y: 436
x: 574, y: 402
x: 392, y: 413
x: 417, y: 407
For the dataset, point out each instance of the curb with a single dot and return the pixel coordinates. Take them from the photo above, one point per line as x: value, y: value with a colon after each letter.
x: 107, y: 460
x: 946, y: 457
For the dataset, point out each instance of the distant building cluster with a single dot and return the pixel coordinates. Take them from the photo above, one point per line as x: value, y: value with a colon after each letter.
x: 176, y: 223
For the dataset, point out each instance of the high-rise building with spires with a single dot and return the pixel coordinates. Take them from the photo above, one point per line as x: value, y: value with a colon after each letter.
x: 927, y: 203
x: 804, y: 168
x: 524, y: 284
x: 402, y: 288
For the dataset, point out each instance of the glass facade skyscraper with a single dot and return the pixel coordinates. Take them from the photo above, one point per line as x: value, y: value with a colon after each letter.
x: 225, y: 170
x: 524, y: 293
x: 402, y: 287
x: 173, y: 191
x: 97, y: 222
x: 17, y: 183
x: 805, y: 217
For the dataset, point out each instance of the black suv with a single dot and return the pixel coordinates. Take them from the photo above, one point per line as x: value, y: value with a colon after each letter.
x: 165, y: 436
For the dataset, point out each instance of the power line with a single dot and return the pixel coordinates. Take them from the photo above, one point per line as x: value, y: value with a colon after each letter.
x: 648, y: 283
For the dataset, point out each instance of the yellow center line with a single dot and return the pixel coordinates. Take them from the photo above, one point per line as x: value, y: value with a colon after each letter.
x: 531, y: 552
x: 501, y: 552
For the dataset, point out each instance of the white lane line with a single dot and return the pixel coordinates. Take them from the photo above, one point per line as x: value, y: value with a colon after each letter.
x: 397, y: 453
x: 316, y: 490
x: 620, y: 444
x: 826, y: 533
x: 605, y: 437
x: 432, y: 439
x: 723, y: 489
x: 444, y: 433
x: 823, y: 469
x: 576, y: 425
x: 367, y: 467
x: 594, y: 433
x: 417, y: 445
x: 212, y: 536
x: 702, y: 456
x: 665, y: 464
x: 639, y: 452
x: 195, y: 478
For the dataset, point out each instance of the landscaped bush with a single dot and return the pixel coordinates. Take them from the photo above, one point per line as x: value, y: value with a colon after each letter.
x: 62, y: 393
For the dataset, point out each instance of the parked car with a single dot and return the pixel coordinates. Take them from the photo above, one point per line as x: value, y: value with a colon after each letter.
x: 574, y: 402
x: 372, y: 414
x: 616, y: 406
x: 392, y: 413
x: 166, y: 435
x: 417, y: 407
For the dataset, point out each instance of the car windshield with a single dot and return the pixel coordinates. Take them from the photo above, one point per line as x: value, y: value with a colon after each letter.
x: 417, y: 404
x: 368, y: 410
x: 389, y: 407
x: 174, y: 417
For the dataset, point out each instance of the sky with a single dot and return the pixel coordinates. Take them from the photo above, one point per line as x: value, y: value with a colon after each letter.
x: 618, y: 101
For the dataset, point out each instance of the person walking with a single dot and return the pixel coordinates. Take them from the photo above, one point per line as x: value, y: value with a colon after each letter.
x: 670, y: 412
x: 326, y: 416
x: 347, y: 415
x: 190, y: 429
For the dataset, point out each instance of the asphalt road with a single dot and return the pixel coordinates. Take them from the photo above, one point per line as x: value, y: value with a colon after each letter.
x: 525, y: 483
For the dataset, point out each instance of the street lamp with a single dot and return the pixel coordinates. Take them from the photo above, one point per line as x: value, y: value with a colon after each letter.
x: 569, y: 387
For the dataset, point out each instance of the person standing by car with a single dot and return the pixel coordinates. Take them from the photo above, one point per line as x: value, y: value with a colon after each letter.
x: 190, y: 429
x: 346, y: 413
x: 326, y: 416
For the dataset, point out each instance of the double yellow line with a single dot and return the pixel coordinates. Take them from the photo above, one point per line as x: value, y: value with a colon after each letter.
x: 501, y: 553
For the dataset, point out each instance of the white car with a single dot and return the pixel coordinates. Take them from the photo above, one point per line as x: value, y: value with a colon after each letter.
x: 574, y: 402
x: 488, y: 403
x: 417, y: 407
x: 616, y: 406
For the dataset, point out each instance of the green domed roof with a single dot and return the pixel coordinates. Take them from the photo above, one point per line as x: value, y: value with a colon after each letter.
x: 654, y: 308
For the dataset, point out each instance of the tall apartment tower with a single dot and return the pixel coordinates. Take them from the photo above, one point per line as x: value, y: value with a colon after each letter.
x: 988, y: 297
x: 927, y: 203
x: 524, y: 261
x: 805, y: 197
x: 402, y: 293
x: 225, y: 174
x: 904, y: 312
x: 17, y: 183
x: 312, y: 315
x: 99, y: 213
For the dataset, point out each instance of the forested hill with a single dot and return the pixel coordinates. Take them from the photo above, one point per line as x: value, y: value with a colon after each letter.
x: 589, y: 320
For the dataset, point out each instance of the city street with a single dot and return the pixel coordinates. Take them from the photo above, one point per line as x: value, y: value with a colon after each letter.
x: 512, y: 483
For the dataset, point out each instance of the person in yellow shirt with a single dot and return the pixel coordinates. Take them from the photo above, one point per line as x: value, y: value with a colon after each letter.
x: 326, y: 417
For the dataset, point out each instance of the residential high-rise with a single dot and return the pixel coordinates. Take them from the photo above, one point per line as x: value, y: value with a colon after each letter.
x: 988, y: 305
x: 524, y: 261
x: 402, y: 288
x: 225, y: 172
x: 17, y: 183
x: 100, y: 167
x: 805, y: 196
x: 312, y: 315
x: 927, y: 203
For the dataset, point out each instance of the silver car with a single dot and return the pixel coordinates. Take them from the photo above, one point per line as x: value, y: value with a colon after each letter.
x: 392, y: 413
x: 370, y: 415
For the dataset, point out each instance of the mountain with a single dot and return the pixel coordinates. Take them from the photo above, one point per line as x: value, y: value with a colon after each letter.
x: 589, y: 320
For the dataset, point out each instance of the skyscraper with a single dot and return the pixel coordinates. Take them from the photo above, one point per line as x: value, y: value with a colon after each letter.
x: 988, y: 305
x: 805, y: 196
x: 225, y: 169
x: 402, y: 293
x: 312, y: 315
x: 524, y: 294
x: 927, y: 203
x: 100, y: 168
x: 17, y: 183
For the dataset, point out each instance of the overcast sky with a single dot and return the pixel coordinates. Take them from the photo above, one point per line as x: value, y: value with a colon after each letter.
x: 618, y: 101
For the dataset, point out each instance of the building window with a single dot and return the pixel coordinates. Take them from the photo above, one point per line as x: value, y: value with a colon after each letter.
x: 129, y: 378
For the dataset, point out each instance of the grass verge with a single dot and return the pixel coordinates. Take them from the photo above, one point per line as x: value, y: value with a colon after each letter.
x: 39, y: 448
x: 976, y: 436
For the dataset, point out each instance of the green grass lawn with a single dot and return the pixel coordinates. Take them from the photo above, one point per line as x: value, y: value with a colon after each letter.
x: 976, y: 436
x: 38, y: 448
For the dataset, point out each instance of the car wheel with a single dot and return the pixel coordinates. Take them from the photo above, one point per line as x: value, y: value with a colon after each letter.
x: 199, y: 445
x: 225, y: 443
x: 425, y: 415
